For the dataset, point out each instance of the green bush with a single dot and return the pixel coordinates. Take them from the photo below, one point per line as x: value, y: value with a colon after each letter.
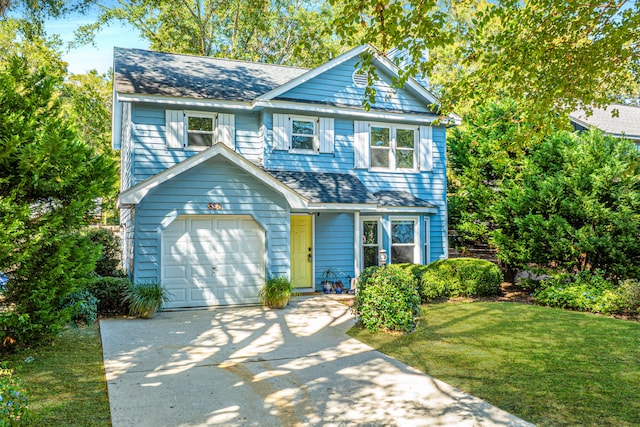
x: 107, y: 264
x: 13, y: 399
x: 84, y: 307
x: 276, y: 292
x: 629, y: 292
x: 110, y: 292
x: 387, y: 300
x: 459, y: 277
x: 585, y: 291
x: 366, y: 274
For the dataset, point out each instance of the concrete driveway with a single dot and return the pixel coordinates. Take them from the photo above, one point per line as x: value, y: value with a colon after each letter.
x: 257, y: 367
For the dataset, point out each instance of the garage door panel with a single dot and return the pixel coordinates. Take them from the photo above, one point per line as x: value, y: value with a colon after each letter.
x: 192, y: 246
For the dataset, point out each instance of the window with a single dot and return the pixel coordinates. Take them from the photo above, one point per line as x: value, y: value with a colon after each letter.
x: 403, y: 240
x: 370, y: 242
x: 303, y: 134
x: 393, y: 147
x: 427, y: 240
x: 200, y: 129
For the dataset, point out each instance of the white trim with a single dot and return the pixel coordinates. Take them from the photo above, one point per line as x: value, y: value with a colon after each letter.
x: 366, y: 207
x: 202, y: 115
x: 315, y: 142
x: 185, y: 102
x: 136, y: 193
x: 417, y: 251
x: 393, y: 147
x: 427, y: 240
x: 313, y: 73
x: 425, y: 118
x: 407, y: 209
x: 116, y: 122
x: 357, y: 255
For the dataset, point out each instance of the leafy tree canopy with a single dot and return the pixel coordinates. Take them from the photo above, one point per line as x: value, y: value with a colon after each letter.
x: 291, y: 32
x: 551, y: 56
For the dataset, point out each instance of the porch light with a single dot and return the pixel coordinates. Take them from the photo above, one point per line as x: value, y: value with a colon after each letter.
x: 382, y: 258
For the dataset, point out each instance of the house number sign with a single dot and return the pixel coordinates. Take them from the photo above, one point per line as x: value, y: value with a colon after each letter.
x: 215, y: 206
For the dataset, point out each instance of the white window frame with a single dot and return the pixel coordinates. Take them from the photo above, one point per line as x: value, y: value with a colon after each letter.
x: 393, y: 129
x: 363, y: 219
x: 315, y: 140
x: 199, y: 114
x: 416, y: 236
x: 427, y: 240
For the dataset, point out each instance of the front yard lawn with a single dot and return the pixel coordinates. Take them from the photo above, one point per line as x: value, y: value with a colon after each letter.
x: 548, y: 366
x: 65, y: 381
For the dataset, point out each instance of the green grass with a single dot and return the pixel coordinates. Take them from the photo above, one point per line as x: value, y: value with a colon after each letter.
x: 548, y: 366
x: 65, y: 382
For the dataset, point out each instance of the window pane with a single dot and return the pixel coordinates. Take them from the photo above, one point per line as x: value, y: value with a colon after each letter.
x: 400, y: 254
x: 201, y: 123
x: 380, y: 157
x: 379, y: 137
x: 404, y: 159
x: 370, y: 256
x: 405, y: 138
x: 200, y: 139
x: 402, y: 232
x: 370, y: 233
x: 301, y: 127
x: 302, y: 142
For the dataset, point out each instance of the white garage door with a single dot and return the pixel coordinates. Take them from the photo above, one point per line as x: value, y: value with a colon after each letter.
x: 213, y: 260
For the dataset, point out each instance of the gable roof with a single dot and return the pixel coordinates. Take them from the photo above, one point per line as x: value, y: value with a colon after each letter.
x: 144, y: 72
x: 136, y: 193
x: 627, y: 123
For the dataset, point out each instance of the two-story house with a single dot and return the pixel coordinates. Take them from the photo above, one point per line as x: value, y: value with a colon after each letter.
x: 233, y: 172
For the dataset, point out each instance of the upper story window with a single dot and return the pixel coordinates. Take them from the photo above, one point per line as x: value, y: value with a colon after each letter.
x: 200, y: 130
x: 393, y: 147
x: 303, y: 134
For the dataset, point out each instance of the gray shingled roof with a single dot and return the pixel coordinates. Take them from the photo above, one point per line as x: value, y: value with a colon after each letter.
x: 401, y: 199
x: 144, y: 72
x: 322, y: 187
x: 627, y: 123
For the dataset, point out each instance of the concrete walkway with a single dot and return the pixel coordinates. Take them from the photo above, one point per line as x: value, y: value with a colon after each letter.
x: 257, y: 367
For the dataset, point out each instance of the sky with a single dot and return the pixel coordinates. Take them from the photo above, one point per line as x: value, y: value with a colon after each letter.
x: 100, y: 56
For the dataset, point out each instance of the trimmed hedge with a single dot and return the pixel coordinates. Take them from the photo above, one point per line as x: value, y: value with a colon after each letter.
x: 387, y: 299
x: 459, y: 277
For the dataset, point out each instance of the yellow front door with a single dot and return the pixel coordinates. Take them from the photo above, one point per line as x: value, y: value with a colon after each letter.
x: 301, y: 251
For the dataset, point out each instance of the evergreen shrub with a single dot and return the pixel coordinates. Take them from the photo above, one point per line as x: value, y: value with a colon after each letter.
x: 459, y: 277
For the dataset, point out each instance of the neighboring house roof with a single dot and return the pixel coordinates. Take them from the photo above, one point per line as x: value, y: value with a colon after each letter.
x: 321, y: 187
x: 627, y: 124
x: 144, y: 72
x: 401, y: 199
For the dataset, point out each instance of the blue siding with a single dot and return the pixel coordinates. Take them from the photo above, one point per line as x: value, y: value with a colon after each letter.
x: 336, y: 87
x: 189, y: 194
x: 151, y: 155
x: 334, y: 245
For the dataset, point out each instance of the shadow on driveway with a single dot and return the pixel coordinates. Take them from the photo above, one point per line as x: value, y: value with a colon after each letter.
x: 251, y: 366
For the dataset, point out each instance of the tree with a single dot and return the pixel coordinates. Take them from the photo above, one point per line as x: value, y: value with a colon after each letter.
x: 575, y: 205
x: 291, y: 32
x: 49, y: 179
x: 551, y: 56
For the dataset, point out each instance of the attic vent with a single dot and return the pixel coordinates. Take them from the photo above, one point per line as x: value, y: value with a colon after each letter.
x: 359, y: 79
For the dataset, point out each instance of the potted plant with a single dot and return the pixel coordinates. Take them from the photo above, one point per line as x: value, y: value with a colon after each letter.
x: 338, y: 287
x: 327, y: 278
x: 276, y: 292
x: 145, y: 299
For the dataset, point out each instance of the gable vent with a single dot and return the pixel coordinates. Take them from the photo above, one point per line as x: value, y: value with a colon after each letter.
x: 359, y: 79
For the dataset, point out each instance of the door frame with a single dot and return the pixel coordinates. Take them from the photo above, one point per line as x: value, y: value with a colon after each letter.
x: 313, y: 250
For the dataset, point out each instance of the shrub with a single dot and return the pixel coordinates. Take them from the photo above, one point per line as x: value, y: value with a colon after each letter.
x: 586, y: 291
x: 145, y: 299
x: 387, y: 300
x: 629, y: 292
x: 366, y: 274
x: 110, y: 292
x: 107, y: 264
x: 459, y: 277
x: 13, y: 399
x: 84, y: 307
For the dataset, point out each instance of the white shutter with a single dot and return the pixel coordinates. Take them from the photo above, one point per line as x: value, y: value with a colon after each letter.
x: 326, y: 134
x: 281, y: 132
x: 226, y: 130
x: 361, y: 144
x: 425, y: 150
x: 174, y: 128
